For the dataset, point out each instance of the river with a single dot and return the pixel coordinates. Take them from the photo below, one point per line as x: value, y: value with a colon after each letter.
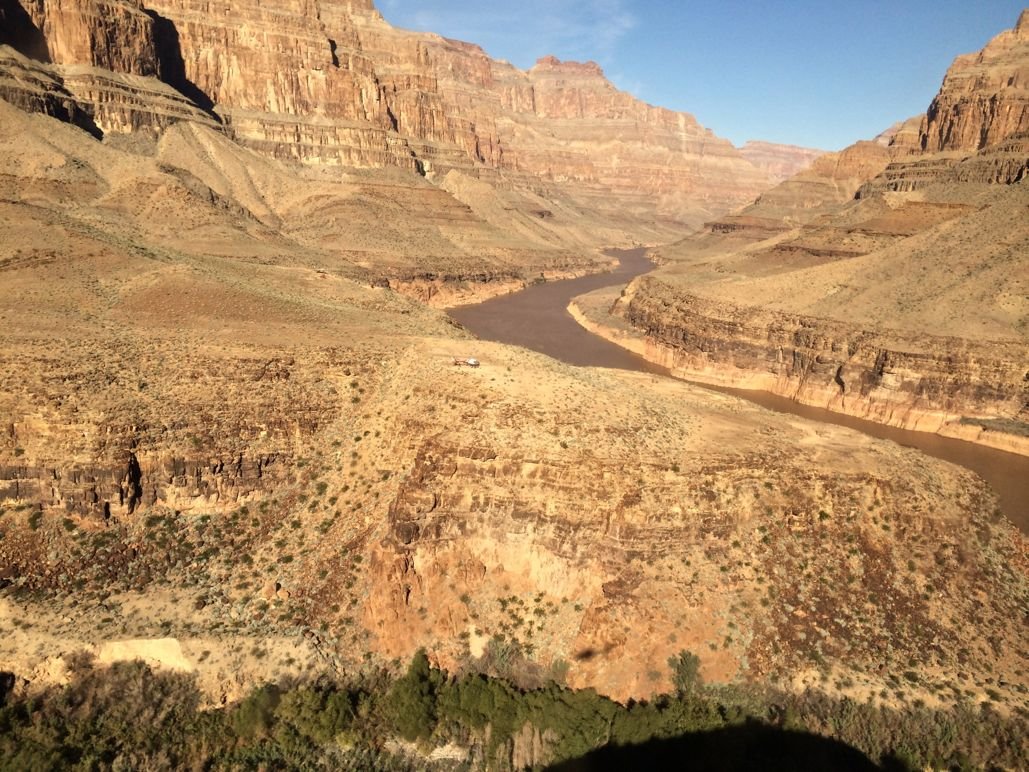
x: 537, y: 318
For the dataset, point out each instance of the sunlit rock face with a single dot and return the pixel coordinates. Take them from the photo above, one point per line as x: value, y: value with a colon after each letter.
x: 883, y: 280
x: 334, y: 84
x: 985, y: 96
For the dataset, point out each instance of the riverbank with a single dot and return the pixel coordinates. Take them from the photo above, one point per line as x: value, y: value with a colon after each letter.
x: 538, y: 318
x: 594, y: 313
x: 445, y: 292
x: 1007, y: 472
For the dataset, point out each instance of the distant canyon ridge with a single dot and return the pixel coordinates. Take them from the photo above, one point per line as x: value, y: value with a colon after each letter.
x: 333, y: 84
x: 886, y: 281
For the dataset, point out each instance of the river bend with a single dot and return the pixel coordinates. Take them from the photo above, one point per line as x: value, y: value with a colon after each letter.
x: 537, y: 318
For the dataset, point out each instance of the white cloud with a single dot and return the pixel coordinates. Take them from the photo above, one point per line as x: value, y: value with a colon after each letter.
x: 524, y: 29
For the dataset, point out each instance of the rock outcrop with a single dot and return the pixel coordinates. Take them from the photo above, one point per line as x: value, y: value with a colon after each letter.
x: 984, y: 98
x: 1003, y: 163
x: 223, y: 423
x: 514, y: 535
x: 922, y: 382
x: 93, y: 64
x: 883, y: 281
x: 115, y: 35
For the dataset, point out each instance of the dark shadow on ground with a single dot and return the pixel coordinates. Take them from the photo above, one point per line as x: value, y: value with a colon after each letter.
x: 7, y: 681
x: 747, y: 748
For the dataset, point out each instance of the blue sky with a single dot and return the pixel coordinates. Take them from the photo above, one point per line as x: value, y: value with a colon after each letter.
x: 822, y: 74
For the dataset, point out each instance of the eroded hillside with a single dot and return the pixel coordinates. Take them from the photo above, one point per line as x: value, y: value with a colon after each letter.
x: 219, y: 433
x: 333, y: 85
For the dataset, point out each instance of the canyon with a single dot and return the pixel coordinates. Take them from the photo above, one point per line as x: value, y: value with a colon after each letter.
x: 334, y: 85
x: 570, y: 321
x: 886, y: 281
x: 234, y: 441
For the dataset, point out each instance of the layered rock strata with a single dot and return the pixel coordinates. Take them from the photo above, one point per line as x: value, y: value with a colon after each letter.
x: 885, y: 281
x: 984, y: 98
x: 912, y: 381
x: 95, y: 99
x: 780, y: 161
x: 982, y: 105
x: 335, y: 85
x: 98, y: 65
x: 1004, y: 163
x: 534, y: 541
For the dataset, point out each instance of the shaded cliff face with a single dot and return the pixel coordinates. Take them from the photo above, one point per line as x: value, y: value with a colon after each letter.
x: 95, y: 65
x: 116, y: 35
x: 334, y: 84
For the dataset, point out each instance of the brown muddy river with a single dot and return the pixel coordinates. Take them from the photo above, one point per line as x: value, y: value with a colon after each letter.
x: 537, y: 318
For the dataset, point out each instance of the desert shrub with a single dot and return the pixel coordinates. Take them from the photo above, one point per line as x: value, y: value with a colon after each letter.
x: 128, y: 717
x: 254, y: 716
x: 126, y: 714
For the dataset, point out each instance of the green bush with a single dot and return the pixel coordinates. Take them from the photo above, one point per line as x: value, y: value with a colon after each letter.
x: 128, y: 717
x: 254, y: 716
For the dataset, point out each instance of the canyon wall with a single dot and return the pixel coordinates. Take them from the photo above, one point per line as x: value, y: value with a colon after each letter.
x: 780, y: 161
x: 956, y: 387
x: 333, y: 84
x: 985, y: 96
x: 884, y: 281
x: 94, y: 65
x: 225, y: 424
x: 982, y: 105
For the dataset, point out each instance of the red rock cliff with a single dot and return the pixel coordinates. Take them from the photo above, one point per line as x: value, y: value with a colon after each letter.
x: 985, y: 96
x: 333, y: 83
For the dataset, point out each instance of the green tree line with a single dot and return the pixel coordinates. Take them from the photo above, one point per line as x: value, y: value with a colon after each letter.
x: 128, y: 717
